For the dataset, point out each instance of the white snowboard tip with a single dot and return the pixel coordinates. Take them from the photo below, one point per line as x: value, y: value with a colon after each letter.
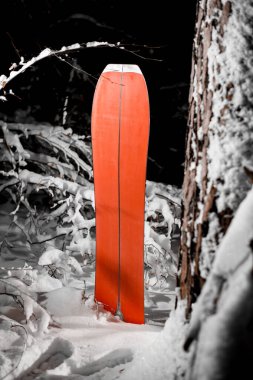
x: 117, y: 67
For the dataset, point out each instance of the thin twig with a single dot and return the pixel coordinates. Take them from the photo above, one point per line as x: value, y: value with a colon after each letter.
x: 54, y: 237
x: 13, y: 44
x: 169, y: 199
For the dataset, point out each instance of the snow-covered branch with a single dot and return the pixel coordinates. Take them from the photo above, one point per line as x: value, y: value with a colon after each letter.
x: 17, y: 289
x: 5, y: 80
x: 69, y: 146
x: 22, y: 66
x: 41, y: 181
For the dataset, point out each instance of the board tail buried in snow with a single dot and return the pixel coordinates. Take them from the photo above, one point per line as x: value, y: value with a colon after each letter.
x: 120, y: 132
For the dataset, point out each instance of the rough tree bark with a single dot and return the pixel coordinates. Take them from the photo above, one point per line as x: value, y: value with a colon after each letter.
x: 219, y: 143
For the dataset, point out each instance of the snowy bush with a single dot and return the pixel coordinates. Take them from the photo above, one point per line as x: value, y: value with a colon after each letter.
x: 47, y: 201
x: 47, y: 231
x: 162, y: 222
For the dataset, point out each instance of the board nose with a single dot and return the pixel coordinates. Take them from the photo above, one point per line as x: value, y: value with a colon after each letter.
x: 122, y: 68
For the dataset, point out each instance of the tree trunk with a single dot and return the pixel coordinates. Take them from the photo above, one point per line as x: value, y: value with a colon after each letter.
x: 219, y: 152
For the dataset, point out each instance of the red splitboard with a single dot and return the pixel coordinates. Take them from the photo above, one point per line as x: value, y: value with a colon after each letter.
x: 120, y: 132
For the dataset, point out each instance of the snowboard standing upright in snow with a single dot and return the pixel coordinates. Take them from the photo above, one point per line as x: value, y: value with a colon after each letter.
x: 120, y: 132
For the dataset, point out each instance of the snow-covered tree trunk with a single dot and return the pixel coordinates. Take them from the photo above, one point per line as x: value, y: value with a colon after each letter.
x: 219, y: 155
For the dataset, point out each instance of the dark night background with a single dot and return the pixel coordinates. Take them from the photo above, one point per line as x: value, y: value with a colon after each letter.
x: 42, y: 89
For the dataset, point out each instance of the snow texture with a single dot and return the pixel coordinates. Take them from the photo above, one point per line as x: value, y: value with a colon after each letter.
x: 230, y: 148
x: 209, y: 245
x: 165, y: 358
x: 230, y: 131
x: 223, y: 313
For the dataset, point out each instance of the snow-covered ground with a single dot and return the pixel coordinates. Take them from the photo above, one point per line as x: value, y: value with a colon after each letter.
x: 85, y: 341
x: 50, y: 326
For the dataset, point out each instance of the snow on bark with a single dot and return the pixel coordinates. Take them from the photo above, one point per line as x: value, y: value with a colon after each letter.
x: 222, y: 319
x: 219, y: 146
